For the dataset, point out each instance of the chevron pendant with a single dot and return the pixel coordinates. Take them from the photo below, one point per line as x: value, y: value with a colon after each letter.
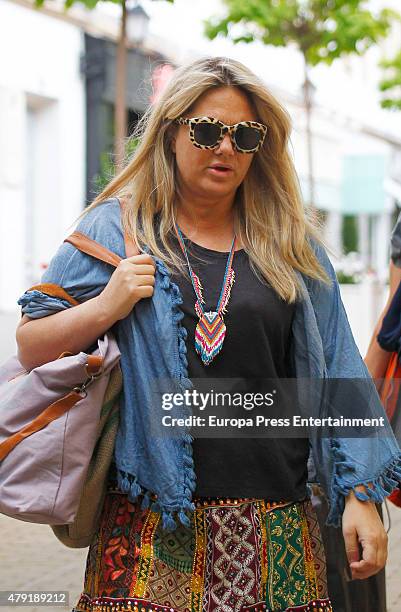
x: 209, y: 336
x: 210, y: 330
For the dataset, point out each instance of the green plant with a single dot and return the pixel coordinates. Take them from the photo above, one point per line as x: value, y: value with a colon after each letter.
x: 391, y: 84
x: 346, y: 279
x: 349, y: 233
x: 323, y: 30
x: 108, y: 167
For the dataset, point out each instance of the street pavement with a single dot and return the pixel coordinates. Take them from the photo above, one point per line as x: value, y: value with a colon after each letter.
x: 31, y: 558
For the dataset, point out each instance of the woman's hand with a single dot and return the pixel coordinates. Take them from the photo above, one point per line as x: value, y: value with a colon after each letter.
x: 132, y: 280
x: 362, y: 526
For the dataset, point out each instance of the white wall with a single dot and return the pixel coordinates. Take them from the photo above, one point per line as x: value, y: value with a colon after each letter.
x: 42, y: 143
x: 364, y: 303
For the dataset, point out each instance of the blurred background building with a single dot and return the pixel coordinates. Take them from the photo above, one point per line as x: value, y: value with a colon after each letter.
x: 57, y: 83
x: 57, y: 87
x: 57, y: 92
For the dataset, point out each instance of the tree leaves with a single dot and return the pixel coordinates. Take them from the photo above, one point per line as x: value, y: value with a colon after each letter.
x: 323, y: 30
x: 90, y: 4
x: 392, y: 82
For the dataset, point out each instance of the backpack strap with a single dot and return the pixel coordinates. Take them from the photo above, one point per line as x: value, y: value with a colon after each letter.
x: 91, y: 247
x: 95, y: 249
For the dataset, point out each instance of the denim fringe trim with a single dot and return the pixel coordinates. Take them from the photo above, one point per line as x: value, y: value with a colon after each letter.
x: 128, y: 483
x: 380, y: 487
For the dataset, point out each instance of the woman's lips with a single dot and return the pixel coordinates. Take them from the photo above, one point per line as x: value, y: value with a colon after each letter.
x: 221, y: 170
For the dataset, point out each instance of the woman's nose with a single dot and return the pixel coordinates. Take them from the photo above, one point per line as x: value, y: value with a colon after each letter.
x: 226, y: 146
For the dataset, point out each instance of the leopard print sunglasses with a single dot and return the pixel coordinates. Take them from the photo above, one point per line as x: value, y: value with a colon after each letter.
x: 208, y: 133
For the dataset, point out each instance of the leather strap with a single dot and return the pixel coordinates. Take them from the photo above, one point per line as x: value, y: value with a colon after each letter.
x: 94, y: 362
x: 91, y: 247
x: 391, y: 386
x: 52, y: 412
x: 388, y: 377
x: 65, y: 354
x: 93, y: 365
x: 55, y: 291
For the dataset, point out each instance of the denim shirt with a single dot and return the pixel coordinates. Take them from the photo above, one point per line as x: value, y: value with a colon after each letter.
x: 152, y: 345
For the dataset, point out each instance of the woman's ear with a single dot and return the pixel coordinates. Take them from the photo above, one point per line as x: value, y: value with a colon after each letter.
x: 173, y: 145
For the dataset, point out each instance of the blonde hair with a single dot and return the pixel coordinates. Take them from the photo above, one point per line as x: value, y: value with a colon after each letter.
x: 270, y: 218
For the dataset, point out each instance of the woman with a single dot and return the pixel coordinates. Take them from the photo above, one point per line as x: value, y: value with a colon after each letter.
x: 189, y: 525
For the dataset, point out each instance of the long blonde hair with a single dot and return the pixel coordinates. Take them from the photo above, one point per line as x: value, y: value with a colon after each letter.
x: 271, y: 220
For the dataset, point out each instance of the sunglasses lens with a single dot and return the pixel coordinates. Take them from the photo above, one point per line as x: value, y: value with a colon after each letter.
x: 206, y: 134
x: 247, y: 138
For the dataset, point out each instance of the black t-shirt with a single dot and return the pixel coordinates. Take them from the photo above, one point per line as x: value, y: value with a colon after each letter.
x: 256, y: 346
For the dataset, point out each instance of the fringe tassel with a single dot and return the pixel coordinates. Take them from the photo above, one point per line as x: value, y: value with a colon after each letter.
x: 145, y: 501
x: 380, y: 487
x: 155, y: 506
x: 128, y: 483
x: 188, y: 462
x: 168, y: 522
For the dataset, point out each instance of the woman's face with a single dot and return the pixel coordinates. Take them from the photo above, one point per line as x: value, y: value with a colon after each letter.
x: 195, y: 171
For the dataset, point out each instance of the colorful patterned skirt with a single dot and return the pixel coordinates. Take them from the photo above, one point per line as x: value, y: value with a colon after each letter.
x: 238, y: 554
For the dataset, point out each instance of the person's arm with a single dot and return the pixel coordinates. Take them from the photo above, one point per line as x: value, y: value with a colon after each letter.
x: 79, y: 297
x: 75, y: 329
x: 376, y: 358
x: 356, y: 471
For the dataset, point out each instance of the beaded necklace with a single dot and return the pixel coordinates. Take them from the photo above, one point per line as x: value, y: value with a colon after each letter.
x: 210, y: 330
